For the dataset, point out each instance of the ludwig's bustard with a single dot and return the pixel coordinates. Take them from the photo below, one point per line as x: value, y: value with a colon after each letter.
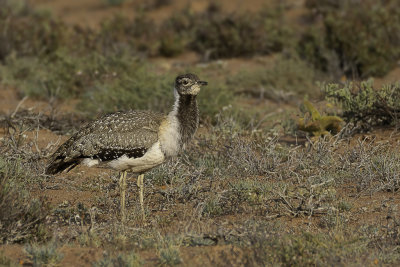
x: 134, y: 140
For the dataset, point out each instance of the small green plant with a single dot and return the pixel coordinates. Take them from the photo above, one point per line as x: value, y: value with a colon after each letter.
x: 317, y: 124
x: 122, y: 260
x: 310, y: 249
x: 6, y: 262
x: 213, y: 207
x: 168, y: 252
x: 46, y: 255
x: 365, y: 106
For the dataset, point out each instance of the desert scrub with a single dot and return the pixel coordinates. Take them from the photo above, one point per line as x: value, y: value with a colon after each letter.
x: 138, y: 88
x: 373, y: 167
x: 168, y: 251
x: 26, y: 32
x: 21, y: 217
x: 6, y: 262
x: 120, y: 34
x: 309, y: 249
x: 364, y: 36
x: 219, y: 35
x: 135, y: 87
x: 213, y: 33
x: 176, y: 33
x: 104, y: 83
x: 364, y: 106
x: 114, y: 2
x: 45, y: 255
x: 63, y: 74
x: 122, y: 260
x: 313, y: 49
x: 288, y: 78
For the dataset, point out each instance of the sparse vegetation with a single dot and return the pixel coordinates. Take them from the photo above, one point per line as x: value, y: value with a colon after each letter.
x: 6, y: 262
x: 364, y: 106
x: 361, y: 38
x: 114, y: 2
x: 244, y: 192
x: 168, y: 253
x: 128, y: 260
x: 21, y: 218
x: 288, y: 79
x: 220, y: 36
x: 46, y: 255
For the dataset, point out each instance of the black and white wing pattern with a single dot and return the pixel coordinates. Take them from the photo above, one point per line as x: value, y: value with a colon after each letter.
x: 129, y: 133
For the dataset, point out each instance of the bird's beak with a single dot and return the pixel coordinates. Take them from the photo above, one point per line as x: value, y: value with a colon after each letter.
x: 202, y: 83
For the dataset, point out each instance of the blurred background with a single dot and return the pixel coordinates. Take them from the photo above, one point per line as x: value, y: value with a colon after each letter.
x: 260, y: 57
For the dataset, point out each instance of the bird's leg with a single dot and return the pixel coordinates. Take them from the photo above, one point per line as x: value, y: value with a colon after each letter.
x: 122, y: 185
x: 141, y: 188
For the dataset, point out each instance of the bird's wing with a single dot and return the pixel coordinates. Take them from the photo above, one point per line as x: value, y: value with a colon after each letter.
x: 131, y: 133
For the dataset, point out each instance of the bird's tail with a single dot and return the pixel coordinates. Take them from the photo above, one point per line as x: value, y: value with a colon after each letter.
x: 59, y: 164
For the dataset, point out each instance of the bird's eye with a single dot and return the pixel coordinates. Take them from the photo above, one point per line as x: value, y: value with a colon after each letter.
x: 185, y: 82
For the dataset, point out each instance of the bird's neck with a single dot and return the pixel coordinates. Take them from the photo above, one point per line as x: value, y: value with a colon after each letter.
x: 187, y: 114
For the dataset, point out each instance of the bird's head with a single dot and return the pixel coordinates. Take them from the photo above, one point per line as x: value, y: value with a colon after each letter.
x: 188, y: 84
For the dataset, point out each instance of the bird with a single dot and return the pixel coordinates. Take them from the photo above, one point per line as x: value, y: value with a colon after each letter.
x: 133, y: 140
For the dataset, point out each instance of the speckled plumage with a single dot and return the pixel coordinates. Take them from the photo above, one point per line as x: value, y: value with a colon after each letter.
x: 134, y: 140
x: 129, y: 133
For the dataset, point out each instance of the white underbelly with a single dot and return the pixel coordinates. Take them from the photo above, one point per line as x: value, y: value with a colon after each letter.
x: 152, y: 158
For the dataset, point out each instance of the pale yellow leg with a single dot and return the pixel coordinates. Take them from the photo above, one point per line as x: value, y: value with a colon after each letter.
x: 122, y: 185
x: 141, y: 188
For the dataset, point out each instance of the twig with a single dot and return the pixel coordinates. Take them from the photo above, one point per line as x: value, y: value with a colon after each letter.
x: 18, y: 106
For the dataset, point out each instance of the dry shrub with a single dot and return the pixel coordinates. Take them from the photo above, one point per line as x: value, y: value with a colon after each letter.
x: 21, y: 217
x: 362, y: 37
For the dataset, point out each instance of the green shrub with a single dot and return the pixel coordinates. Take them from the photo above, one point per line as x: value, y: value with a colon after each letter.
x: 6, y: 262
x: 310, y: 249
x: 104, y: 83
x: 168, y: 253
x: 119, y: 34
x: 287, y: 78
x: 312, y: 47
x: 364, y: 106
x: 26, y: 32
x: 176, y: 33
x: 213, y: 207
x: 62, y: 75
x: 219, y: 35
x: 21, y: 217
x: 139, y: 88
x: 129, y: 260
x: 135, y: 88
x: 364, y: 36
x: 213, y: 33
x: 46, y: 255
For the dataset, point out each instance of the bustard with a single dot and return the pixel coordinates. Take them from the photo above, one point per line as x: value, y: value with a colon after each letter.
x: 135, y: 141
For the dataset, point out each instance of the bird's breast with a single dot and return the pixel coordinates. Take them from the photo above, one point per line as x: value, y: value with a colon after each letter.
x: 170, y: 136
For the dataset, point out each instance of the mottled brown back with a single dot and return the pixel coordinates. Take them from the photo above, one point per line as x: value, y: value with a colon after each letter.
x: 131, y: 133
